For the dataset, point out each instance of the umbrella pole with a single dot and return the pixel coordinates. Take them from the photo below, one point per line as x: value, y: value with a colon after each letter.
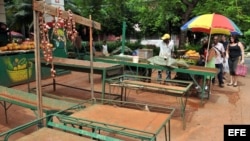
x: 209, y: 40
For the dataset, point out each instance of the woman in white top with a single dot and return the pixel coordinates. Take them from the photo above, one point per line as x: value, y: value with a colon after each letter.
x: 105, y: 48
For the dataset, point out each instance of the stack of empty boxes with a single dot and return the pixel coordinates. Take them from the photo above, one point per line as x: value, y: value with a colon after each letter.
x: 145, y: 53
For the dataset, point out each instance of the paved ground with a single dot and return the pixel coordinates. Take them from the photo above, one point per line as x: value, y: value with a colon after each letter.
x: 228, y: 105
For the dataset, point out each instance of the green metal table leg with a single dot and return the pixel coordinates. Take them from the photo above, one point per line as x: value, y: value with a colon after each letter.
x: 54, y: 84
x: 203, y: 90
x: 5, y: 110
x: 183, y: 107
x: 103, y: 83
x: 109, y: 90
x: 202, y: 87
x: 209, y: 87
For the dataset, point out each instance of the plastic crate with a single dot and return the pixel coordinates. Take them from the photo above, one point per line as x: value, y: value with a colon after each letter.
x: 145, y: 53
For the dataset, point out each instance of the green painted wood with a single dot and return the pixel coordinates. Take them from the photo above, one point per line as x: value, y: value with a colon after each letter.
x: 17, y: 69
x: 29, y: 100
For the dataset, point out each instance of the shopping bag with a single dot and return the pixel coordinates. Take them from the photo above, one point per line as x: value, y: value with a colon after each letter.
x: 225, y: 66
x: 241, y: 70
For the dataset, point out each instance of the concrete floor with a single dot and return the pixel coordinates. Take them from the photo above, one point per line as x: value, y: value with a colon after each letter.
x: 228, y: 105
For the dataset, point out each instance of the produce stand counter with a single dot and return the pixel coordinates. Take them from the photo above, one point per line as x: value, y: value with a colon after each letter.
x: 105, y: 69
x: 17, y: 69
x: 192, y: 71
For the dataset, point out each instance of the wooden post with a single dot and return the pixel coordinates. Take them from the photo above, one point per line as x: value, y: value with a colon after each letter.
x: 39, y: 6
x: 37, y: 64
x: 91, y: 60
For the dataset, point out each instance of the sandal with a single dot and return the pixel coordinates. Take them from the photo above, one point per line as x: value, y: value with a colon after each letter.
x: 230, y: 84
x: 235, y: 85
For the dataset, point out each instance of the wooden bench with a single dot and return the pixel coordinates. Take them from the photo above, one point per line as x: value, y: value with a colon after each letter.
x: 29, y: 100
x: 179, y: 91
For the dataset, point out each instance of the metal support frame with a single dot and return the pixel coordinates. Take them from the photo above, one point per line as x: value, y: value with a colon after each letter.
x: 181, y: 95
x: 4, y: 104
x: 192, y: 70
x: 79, y: 123
x: 81, y: 68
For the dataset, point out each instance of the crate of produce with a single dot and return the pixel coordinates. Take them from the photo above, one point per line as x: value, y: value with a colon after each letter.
x: 145, y: 53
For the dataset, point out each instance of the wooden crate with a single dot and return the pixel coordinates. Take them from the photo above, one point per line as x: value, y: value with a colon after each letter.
x: 145, y: 53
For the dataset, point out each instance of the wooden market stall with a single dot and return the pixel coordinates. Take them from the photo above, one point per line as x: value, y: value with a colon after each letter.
x: 42, y: 7
x: 191, y: 71
x: 109, y: 120
x: 123, y: 113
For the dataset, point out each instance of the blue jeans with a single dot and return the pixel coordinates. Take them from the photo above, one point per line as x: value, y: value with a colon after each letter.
x: 220, y: 73
x: 168, y: 74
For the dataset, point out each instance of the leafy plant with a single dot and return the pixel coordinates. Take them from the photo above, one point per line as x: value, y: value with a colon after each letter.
x: 193, y: 47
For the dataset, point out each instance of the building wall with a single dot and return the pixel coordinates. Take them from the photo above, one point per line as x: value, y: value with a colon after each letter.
x: 55, y: 3
x: 2, y: 12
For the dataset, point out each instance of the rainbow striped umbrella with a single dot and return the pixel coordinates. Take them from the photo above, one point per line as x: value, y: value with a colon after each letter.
x: 212, y: 24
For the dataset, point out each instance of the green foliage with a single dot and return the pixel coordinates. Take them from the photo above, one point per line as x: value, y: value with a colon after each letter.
x: 19, y: 15
x: 154, y: 17
x: 193, y: 47
x: 132, y: 45
x: 246, y: 39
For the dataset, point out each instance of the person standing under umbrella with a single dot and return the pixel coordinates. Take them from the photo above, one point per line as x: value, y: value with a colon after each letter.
x: 235, y: 50
x: 166, y: 50
x: 225, y: 64
x: 219, y: 48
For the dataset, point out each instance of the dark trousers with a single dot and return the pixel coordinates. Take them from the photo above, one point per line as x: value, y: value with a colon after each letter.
x: 232, y: 63
x: 220, y: 73
x: 168, y: 74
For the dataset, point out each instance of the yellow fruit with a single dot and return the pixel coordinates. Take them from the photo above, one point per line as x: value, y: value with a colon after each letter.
x: 4, y: 48
x: 9, y: 45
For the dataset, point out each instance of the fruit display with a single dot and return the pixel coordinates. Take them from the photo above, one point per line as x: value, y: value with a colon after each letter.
x: 192, y: 53
x: 188, y: 61
x: 27, y: 45
x: 190, y: 57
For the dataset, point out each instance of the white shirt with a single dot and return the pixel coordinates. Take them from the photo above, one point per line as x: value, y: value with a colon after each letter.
x: 219, y: 59
x: 165, y: 49
x: 105, y: 49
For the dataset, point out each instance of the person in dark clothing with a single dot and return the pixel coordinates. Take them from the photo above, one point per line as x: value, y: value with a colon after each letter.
x: 4, y: 37
x: 203, y: 52
x: 225, y: 43
x: 235, y: 54
x: 219, y: 60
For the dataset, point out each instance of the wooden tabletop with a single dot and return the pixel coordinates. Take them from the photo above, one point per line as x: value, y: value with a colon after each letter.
x: 124, y: 117
x: 58, y: 60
